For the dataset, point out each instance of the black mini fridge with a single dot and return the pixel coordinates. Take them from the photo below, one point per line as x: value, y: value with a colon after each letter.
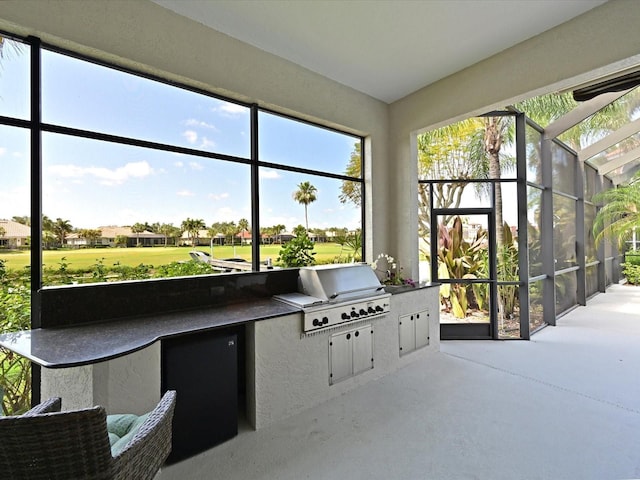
x: 203, y: 369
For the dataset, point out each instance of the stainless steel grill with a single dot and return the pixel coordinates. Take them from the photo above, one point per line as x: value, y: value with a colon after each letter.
x: 333, y: 295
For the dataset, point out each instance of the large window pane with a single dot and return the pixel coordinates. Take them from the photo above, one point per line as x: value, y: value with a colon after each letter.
x: 14, y: 165
x: 564, y: 231
x: 535, y: 232
x: 98, y: 194
x: 507, y: 261
x: 15, y: 260
x: 459, y: 151
x: 564, y: 169
x: 15, y: 79
x: 333, y: 226
x: 566, y: 291
x: 297, y: 144
x: 590, y: 182
x: 591, y: 280
x: 110, y: 101
x: 462, y: 194
x: 464, y: 303
x: 536, y: 306
x: 534, y: 162
x: 462, y: 247
x: 509, y: 312
x: 590, y: 250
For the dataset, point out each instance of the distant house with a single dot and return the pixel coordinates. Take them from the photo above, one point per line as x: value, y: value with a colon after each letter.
x: 111, y: 233
x: 13, y: 234
x: 244, y: 237
x: 203, y: 238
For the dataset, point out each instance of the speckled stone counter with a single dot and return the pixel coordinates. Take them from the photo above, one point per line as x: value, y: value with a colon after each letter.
x: 90, y: 343
x: 395, y: 289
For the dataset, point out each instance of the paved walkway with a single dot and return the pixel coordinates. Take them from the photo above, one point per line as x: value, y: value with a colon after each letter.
x: 565, y: 405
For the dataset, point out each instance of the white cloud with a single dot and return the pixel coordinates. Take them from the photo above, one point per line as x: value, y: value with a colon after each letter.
x: 192, y: 122
x: 196, y: 166
x: 269, y: 174
x: 226, y: 214
x: 2, y: 151
x: 231, y: 109
x: 191, y: 136
x: 220, y: 196
x: 185, y: 193
x: 178, y: 164
x: 206, y: 143
x: 106, y: 176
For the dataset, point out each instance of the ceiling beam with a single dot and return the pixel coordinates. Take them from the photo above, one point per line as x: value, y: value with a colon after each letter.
x: 619, y: 162
x: 580, y: 113
x: 609, y: 141
x: 624, y: 177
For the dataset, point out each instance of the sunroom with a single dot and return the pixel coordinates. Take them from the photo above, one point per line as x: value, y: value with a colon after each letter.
x: 149, y: 115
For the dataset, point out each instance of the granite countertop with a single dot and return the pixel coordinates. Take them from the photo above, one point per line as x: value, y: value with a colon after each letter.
x: 89, y: 343
x: 395, y: 289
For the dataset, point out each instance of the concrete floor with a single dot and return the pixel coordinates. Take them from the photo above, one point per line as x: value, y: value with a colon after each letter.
x: 565, y: 405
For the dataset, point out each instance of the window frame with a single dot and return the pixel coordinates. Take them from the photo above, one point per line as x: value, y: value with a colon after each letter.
x: 35, y: 126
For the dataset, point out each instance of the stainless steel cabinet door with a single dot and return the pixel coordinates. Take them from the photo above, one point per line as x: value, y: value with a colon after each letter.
x: 350, y: 353
x: 407, y: 332
x: 422, y: 328
x: 340, y: 357
x: 362, y: 349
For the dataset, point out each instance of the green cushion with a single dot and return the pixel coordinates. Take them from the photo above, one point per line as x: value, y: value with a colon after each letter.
x: 122, y: 428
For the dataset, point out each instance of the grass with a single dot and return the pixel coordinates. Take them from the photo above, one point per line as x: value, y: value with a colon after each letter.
x: 87, y: 257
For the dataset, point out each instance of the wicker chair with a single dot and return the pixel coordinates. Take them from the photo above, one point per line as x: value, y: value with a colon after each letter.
x: 45, y: 443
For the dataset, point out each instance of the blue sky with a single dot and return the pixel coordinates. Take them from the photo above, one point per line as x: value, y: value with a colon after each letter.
x: 92, y: 183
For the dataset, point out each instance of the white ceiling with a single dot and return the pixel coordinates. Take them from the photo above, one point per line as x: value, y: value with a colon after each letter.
x: 384, y: 48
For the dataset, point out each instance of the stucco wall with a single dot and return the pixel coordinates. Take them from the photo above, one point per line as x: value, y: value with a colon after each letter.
x: 129, y: 384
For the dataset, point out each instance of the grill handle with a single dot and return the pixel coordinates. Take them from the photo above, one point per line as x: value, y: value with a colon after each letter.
x: 356, y: 290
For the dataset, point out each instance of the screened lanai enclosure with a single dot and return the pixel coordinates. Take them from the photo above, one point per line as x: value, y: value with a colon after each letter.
x: 506, y: 209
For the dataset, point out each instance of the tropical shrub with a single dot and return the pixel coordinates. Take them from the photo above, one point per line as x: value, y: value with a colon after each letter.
x: 15, y: 315
x: 507, y: 266
x: 460, y: 259
x: 632, y: 273
x: 298, y: 251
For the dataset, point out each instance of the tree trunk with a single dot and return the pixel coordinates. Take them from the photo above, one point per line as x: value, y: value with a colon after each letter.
x: 493, y: 143
x: 306, y: 219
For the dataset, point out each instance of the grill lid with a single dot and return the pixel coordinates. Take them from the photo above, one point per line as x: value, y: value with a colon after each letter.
x: 337, y: 283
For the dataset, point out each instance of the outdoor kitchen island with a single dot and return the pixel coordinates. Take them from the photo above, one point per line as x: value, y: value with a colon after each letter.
x: 117, y: 360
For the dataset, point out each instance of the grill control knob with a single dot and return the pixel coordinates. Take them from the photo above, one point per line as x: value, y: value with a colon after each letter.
x: 363, y: 312
x: 345, y: 316
x: 354, y: 314
x: 316, y: 322
x: 371, y: 310
x: 379, y: 308
x: 325, y: 320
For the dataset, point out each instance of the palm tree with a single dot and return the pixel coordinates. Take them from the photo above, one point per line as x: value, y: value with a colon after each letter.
x: 305, y: 195
x: 90, y: 234
x: 243, y: 225
x: 61, y: 228
x: 193, y: 226
x: 453, y: 152
x: 138, y: 228
x: 165, y: 230
x: 619, y: 214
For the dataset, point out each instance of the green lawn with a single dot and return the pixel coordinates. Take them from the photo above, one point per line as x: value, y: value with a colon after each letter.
x: 85, y: 258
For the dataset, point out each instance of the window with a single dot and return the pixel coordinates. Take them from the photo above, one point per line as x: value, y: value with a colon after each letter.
x: 137, y: 173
